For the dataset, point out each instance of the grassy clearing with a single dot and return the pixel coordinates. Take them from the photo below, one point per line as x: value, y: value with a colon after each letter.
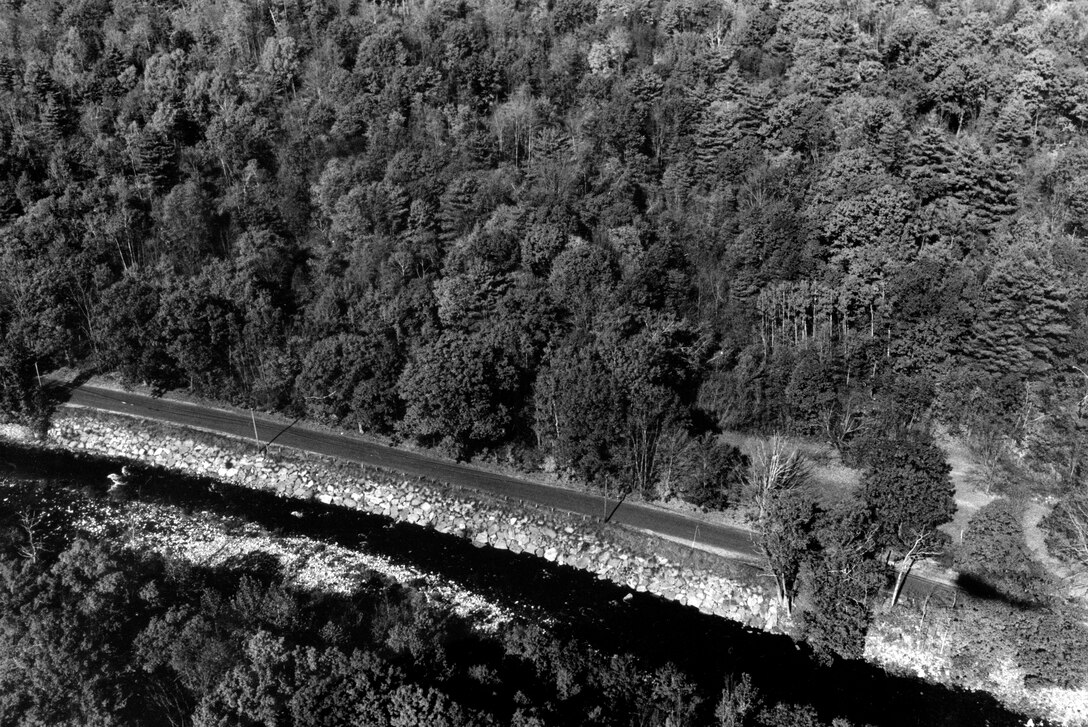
x: 971, y: 483
x: 974, y: 485
x: 834, y: 481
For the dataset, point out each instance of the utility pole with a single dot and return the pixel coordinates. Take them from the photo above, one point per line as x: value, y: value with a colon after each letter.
x: 623, y: 497
x: 253, y: 419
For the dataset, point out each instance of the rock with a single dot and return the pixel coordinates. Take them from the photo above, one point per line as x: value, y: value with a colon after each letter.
x: 503, y: 525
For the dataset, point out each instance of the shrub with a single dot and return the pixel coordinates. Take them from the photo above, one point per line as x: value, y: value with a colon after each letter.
x: 994, y: 550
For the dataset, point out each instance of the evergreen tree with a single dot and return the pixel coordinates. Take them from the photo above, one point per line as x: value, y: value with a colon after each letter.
x: 842, y: 577
x: 714, y: 137
x: 930, y: 163
x: 1013, y: 127
x: 1023, y: 322
x: 54, y: 118
x: 458, y: 208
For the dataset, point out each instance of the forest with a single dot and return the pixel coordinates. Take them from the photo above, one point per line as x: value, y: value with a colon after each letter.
x: 100, y: 626
x: 93, y: 634
x: 586, y: 233
x: 575, y: 235
x: 578, y: 232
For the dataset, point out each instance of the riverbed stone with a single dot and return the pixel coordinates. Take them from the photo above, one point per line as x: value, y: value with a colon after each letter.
x: 519, y: 528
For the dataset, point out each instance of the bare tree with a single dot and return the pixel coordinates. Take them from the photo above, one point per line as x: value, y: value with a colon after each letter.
x: 1072, y: 543
x: 843, y: 421
x: 783, y: 512
x: 739, y: 701
x: 31, y: 523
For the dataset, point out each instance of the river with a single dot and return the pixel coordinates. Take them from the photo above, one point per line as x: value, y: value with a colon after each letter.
x: 570, y: 602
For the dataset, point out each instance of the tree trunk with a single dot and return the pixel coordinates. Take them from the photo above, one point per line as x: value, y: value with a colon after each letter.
x: 783, y: 593
x: 904, y: 569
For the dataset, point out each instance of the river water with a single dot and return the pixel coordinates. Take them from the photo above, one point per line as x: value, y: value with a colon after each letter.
x: 571, y: 602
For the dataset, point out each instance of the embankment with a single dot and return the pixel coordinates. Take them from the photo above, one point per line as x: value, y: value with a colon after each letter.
x: 641, y: 563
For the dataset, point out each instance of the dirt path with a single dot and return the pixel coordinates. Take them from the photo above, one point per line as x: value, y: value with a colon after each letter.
x: 1075, y: 584
x: 966, y: 478
x: 971, y: 496
x: 1033, y: 514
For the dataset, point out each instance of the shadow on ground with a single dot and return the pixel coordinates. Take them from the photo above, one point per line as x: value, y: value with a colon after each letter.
x: 576, y: 603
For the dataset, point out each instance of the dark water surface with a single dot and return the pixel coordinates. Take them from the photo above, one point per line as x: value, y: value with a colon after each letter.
x: 576, y: 603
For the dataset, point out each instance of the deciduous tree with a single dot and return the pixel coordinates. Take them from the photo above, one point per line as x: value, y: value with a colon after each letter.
x: 783, y: 512
x: 459, y: 390
x: 908, y: 490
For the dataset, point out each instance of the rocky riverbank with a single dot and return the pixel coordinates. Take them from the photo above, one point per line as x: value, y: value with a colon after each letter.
x: 609, y: 552
x: 208, y: 540
x: 629, y: 559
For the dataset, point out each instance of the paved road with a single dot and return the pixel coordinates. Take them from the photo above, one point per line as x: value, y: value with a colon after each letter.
x: 736, y: 541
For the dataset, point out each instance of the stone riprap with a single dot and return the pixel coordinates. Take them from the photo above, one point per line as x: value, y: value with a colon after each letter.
x: 560, y: 537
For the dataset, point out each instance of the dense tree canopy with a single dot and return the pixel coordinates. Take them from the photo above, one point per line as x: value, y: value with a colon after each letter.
x: 588, y: 233
x: 95, y: 634
x: 909, y: 495
x: 461, y: 220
